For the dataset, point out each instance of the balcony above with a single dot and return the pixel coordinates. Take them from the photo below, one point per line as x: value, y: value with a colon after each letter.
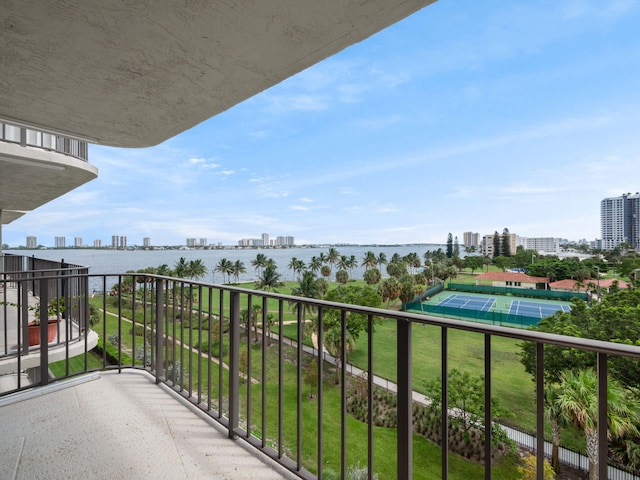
x: 38, y: 167
x: 123, y: 74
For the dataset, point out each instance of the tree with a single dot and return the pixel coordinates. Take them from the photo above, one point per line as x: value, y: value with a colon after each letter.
x: 181, y: 268
x: 408, y: 289
x: 196, y: 269
x: 333, y: 343
x: 616, y: 318
x: 529, y: 469
x: 372, y: 276
x: 413, y: 261
x: 342, y: 277
x: 397, y: 269
x: 238, y: 269
x: 502, y: 262
x: 225, y: 267
x: 333, y: 256
x: 578, y: 400
x: 382, y: 259
x: 450, y: 245
x: 308, y: 287
x: 466, y: 395
x: 389, y: 289
x: 296, y: 265
x: 474, y: 263
x: 369, y: 260
x: 269, y: 279
x: 325, y: 271
x: 315, y: 264
x: 505, y: 243
x: 352, y: 295
x: 496, y: 244
x: 259, y: 263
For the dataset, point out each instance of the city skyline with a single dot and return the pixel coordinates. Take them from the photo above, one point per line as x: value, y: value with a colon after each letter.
x: 460, y: 117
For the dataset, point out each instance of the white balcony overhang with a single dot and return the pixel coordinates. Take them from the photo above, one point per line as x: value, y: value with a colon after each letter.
x: 129, y: 74
x: 31, y: 177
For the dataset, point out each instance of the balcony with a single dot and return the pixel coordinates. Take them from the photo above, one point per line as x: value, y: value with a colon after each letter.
x: 171, y: 346
x: 38, y: 167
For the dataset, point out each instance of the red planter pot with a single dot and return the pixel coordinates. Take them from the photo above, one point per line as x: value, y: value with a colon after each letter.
x: 34, y: 332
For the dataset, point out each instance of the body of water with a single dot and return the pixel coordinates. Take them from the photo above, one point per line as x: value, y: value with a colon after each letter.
x: 121, y: 261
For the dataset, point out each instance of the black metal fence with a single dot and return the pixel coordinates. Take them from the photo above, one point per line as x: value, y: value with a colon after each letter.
x: 215, y: 345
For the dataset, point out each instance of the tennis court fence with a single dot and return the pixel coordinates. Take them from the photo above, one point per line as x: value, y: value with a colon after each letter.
x: 515, y: 291
x: 492, y: 318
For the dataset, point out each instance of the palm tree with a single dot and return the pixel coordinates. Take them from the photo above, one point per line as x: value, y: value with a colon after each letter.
x: 181, y: 268
x: 413, y: 260
x: 238, y: 269
x: 325, y: 271
x: 557, y: 419
x: 372, y: 276
x: 578, y: 401
x: 342, y: 277
x: 269, y: 279
x: 259, y: 262
x: 196, y: 269
x: 352, y: 263
x: 315, y: 264
x: 308, y: 287
x: 382, y: 259
x: 333, y: 256
x: 343, y: 262
x: 369, y: 260
x: 224, y: 266
x: 333, y: 343
x: 296, y: 265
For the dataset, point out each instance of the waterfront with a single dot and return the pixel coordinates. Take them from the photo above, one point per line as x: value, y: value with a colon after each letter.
x: 120, y: 261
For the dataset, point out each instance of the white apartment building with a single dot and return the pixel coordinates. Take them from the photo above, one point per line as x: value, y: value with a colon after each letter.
x: 620, y: 221
x: 546, y: 245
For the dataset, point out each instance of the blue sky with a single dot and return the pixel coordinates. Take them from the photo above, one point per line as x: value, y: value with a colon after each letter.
x: 467, y: 116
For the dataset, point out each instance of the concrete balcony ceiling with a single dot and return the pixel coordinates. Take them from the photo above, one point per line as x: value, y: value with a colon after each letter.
x: 133, y: 74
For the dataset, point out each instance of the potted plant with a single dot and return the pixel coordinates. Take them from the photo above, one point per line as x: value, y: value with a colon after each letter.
x: 54, y: 309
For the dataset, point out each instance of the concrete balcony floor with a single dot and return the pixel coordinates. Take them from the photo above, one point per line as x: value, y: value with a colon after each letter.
x: 115, y: 426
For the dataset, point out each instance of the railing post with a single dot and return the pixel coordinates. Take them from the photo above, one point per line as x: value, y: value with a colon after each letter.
x: 487, y: 407
x: 159, y: 331
x: 44, y: 332
x: 234, y: 362
x: 603, y: 420
x: 404, y: 373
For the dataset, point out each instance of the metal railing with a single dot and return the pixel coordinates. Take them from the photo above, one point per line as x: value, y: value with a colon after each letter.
x: 210, y: 344
x: 28, y: 137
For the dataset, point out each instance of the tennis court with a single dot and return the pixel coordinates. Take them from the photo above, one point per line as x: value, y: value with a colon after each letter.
x: 468, y: 302
x: 535, y: 309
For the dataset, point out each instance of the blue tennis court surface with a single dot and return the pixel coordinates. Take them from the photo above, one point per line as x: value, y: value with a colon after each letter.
x: 470, y: 303
x: 535, y: 309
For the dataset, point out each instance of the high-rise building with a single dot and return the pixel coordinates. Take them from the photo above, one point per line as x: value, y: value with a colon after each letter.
x: 285, y: 241
x: 265, y: 239
x: 114, y: 241
x: 77, y: 242
x: 123, y: 241
x: 97, y: 243
x: 60, y: 242
x: 620, y: 221
x: 203, y: 242
x: 471, y: 239
x: 32, y: 242
x: 146, y: 242
x: 191, y: 242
